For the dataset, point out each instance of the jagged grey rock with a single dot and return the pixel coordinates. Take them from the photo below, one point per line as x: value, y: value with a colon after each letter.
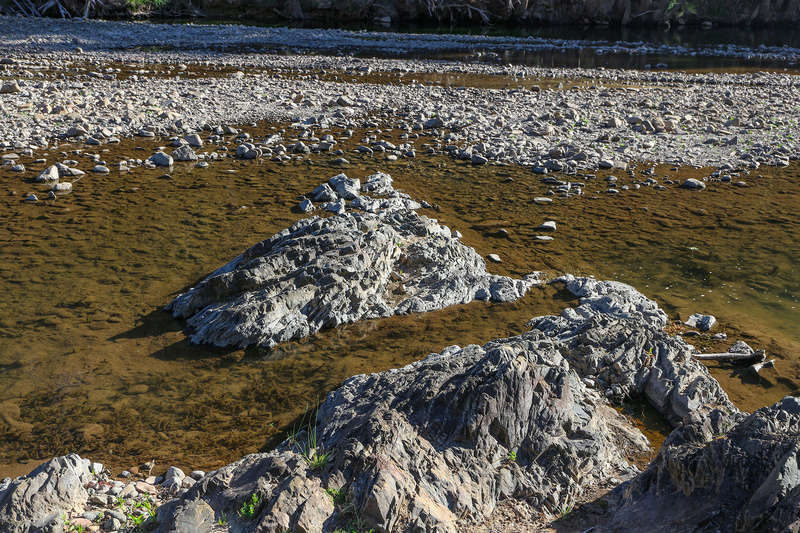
x: 630, y: 355
x: 719, y: 473
x: 184, y: 153
x: 418, y: 447
x: 323, y: 272
x: 35, y: 502
x: 437, y: 444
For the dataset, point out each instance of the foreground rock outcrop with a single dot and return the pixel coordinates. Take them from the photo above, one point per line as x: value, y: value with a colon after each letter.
x: 418, y: 447
x: 445, y: 438
x: 379, y: 261
x: 615, y: 339
x: 727, y: 473
x: 35, y: 502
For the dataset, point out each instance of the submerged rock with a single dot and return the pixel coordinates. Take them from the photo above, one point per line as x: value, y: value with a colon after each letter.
x: 323, y: 272
x: 36, y: 501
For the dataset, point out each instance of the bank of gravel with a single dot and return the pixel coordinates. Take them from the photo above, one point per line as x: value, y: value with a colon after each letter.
x: 738, y: 121
x: 42, y: 35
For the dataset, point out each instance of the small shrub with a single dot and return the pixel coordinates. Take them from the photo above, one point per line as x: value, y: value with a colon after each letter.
x: 250, y: 507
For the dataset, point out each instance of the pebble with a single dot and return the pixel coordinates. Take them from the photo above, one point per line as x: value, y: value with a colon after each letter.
x: 194, y: 140
x: 494, y: 258
x: 701, y: 322
x: 10, y: 87
x: 48, y: 174
x: 101, y: 169
x: 306, y: 206
x: 161, y: 159
x: 549, y: 225
x: 693, y: 184
x: 146, y: 486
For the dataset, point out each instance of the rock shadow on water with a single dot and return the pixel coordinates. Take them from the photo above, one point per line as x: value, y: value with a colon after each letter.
x: 157, y: 323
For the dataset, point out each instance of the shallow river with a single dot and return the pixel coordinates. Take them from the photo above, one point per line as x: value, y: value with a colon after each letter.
x: 90, y: 363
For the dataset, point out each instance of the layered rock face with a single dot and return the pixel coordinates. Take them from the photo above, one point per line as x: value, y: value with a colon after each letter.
x: 615, y: 339
x: 419, y: 447
x: 35, y: 502
x: 724, y: 473
x: 381, y: 260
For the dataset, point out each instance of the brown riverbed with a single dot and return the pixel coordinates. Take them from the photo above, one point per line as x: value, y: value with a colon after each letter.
x: 90, y: 363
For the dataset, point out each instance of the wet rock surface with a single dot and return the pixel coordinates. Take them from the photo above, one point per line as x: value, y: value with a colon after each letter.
x: 376, y: 258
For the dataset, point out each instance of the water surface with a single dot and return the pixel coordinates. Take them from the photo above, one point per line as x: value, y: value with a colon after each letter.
x: 89, y: 362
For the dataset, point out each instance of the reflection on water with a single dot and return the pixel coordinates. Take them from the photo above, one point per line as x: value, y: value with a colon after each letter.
x: 574, y: 45
x: 90, y: 363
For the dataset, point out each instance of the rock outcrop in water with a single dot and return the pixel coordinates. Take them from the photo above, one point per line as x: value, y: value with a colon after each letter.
x: 615, y: 338
x: 415, y: 449
x: 382, y: 260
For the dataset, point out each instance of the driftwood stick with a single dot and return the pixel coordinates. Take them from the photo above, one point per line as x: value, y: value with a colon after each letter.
x: 756, y: 357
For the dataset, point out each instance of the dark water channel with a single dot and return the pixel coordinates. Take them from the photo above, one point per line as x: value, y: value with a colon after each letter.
x: 586, y: 46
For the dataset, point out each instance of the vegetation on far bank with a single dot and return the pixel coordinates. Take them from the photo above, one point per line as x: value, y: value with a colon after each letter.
x: 624, y: 12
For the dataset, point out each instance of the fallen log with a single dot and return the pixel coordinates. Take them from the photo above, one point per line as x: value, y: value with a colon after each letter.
x: 757, y: 356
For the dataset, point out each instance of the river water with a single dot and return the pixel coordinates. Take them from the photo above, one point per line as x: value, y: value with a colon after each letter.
x: 89, y: 361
